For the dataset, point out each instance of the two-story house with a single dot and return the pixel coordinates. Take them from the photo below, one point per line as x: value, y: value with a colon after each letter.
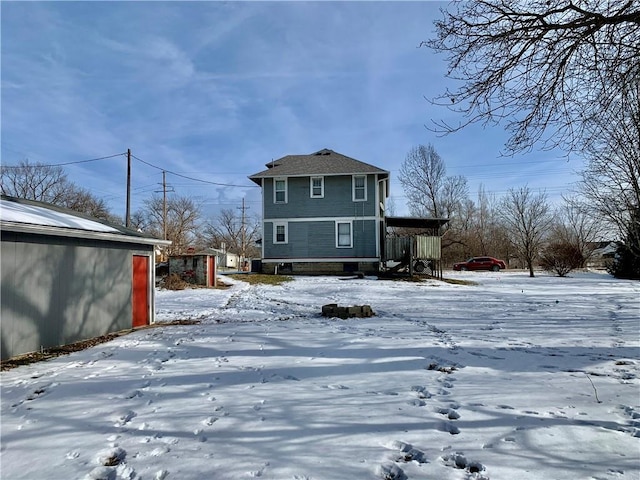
x: 322, y: 213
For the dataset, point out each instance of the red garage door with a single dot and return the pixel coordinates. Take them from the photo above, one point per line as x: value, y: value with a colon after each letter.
x: 140, y: 297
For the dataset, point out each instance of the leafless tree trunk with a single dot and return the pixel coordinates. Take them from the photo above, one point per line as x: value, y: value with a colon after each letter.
x: 543, y: 68
x: 527, y: 219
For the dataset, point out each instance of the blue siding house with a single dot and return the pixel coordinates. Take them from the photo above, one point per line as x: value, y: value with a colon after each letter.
x: 322, y: 213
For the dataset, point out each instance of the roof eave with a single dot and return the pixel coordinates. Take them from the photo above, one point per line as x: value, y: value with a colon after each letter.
x: 76, y: 233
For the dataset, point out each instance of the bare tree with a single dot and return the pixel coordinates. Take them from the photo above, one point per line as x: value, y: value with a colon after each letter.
x: 527, y: 218
x: 227, y: 230
x: 47, y: 183
x: 182, y: 221
x: 543, y: 68
x: 576, y: 226
x: 34, y: 181
x: 611, y: 181
x: 485, y: 223
x: 83, y: 201
x: 430, y: 192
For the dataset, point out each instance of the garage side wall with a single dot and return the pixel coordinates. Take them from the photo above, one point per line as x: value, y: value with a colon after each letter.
x: 57, y: 291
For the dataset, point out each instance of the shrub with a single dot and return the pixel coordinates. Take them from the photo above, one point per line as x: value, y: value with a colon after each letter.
x: 175, y: 282
x: 561, y: 257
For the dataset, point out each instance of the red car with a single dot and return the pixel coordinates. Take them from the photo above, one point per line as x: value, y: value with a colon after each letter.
x: 481, y: 263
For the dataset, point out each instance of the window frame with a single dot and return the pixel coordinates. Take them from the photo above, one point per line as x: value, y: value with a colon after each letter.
x: 344, y: 222
x: 353, y: 188
x: 311, y: 186
x: 276, y: 191
x: 285, y: 225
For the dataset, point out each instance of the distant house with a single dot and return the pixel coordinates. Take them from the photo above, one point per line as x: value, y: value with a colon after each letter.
x: 602, y: 254
x: 67, y: 277
x: 322, y: 213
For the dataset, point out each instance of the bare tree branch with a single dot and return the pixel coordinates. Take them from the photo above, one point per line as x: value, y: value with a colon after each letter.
x: 536, y: 67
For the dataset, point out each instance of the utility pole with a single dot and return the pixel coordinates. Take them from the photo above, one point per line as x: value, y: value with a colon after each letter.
x: 127, y: 221
x: 164, y: 210
x: 243, y: 232
x: 164, y: 205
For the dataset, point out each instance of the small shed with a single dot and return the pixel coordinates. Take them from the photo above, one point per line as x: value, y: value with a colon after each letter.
x: 199, y: 268
x: 67, y: 277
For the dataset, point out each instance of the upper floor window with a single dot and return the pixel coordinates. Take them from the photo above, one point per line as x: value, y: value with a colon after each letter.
x: 359, y: 188
x: 280, y: 233
x: 317, y: 187
x: 280, y: 190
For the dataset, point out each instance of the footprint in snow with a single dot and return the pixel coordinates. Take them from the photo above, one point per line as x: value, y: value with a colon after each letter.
x: 459, y: 461
x: 40, y: 391
x: 451, y: 413
x: 199, y: 435
x: 450, y: 428
x: 421, y: 391
x: 123, y: 417
x: 407, y: 452
x: 260, y: 471
x: 102, y: 473
x: 132, y: 394
x: 390, y: 471
x: 336, y: 387
x: 210, y: 421
x: 633, y: 420
x: 448, y: 383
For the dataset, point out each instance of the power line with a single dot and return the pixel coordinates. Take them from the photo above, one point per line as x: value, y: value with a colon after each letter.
x: 191, y: 178
x: 65, y: 163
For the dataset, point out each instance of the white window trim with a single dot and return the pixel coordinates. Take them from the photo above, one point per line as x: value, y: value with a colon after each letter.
x: 321, y: 187
x: 350, y: 234
x: 275, y: 232
x: 286, y: 189
x: 353, y: 188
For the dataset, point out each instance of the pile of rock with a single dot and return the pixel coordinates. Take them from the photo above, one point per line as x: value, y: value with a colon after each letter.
x: 360, y: 311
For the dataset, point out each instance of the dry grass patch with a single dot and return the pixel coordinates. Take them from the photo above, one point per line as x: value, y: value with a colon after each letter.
x: 262, y: 279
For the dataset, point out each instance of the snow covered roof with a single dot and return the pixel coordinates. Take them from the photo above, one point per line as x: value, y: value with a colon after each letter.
x: 29, y: 216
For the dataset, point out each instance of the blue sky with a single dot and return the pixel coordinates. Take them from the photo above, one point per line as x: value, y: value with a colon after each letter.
x: 214, y: 90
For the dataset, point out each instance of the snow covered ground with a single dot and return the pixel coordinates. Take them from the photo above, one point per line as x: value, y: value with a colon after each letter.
x: 514, y: 378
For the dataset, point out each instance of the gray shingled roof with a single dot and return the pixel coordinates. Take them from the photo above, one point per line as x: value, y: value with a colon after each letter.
x: 323, y: 162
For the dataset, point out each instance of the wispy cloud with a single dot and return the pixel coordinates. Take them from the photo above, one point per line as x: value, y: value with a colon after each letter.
x: 221, y: 88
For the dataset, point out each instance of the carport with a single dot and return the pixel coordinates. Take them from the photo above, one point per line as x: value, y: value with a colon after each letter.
x: 413, y: 244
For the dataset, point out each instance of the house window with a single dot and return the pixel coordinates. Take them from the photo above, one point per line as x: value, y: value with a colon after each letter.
x: 344, y: 237
x: 359, y: 188
x: 280, y: 190
x: 317, y: 187
x: 280, y: 233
